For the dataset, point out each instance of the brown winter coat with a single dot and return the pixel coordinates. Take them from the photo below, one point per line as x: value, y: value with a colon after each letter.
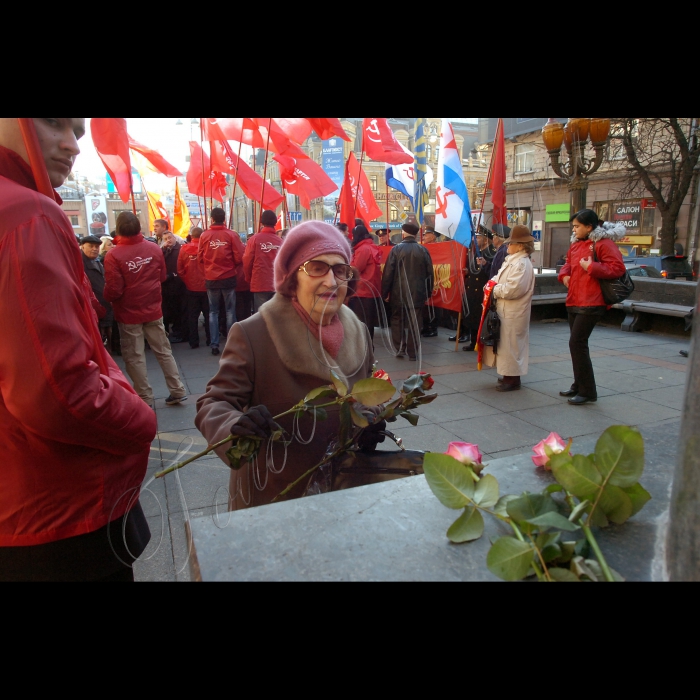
x: 272, y: 359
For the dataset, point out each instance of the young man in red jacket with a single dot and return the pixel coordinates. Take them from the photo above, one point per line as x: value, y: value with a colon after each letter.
x: 134, y: 272
x: 220, y: 253
x: 259, y: 260
x: 196, y: 295
x: 76, y: 437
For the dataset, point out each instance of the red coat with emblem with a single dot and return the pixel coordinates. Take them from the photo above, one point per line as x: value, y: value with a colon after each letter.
x: 367, y: 258
x: 259, y: 260
x: 189, y: 269
x: 220, y: 252
x: 76, y: 438
x: 134, y: 272
x: 584, y: 287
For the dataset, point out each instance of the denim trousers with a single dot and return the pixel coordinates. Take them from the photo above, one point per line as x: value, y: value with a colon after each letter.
x: 215, y: 296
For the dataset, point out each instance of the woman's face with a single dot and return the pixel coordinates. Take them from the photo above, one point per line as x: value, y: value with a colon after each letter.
x: 581, y: 231
x: 514, y: 248
x: 321, y: 297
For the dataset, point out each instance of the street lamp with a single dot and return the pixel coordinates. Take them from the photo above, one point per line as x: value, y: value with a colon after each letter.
x: 575, y: 136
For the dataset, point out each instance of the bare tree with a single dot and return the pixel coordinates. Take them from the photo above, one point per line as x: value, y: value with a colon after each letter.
x: 663, y: 153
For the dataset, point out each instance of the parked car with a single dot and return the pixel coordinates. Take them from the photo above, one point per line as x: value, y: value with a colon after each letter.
x: 644, y: 271
x: 672, y: 267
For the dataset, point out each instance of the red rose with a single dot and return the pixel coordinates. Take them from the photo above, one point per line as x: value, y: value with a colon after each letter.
x: 428, y: 382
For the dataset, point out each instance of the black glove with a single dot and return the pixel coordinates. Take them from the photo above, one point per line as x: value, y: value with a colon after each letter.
x: 256, y: 421
x: 370, y: 437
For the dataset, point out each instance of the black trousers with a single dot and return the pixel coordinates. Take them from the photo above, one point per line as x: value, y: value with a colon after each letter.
x: 197, y: 303
x: 406, y: 327
x: 244, y: 305
x: 582, y: 326
x: 174, y: 313
x: 365, y: 308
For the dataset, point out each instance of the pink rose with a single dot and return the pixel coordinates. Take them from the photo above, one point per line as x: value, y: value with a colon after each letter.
x: 544, y: 450
x: 467, y: 454
x: 381, y: 374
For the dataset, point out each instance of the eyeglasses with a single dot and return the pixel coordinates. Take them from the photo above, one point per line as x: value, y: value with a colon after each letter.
x: 318, y: 268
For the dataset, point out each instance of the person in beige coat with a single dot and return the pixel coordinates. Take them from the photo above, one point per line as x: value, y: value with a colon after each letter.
x: 515, y: 285
x: 273, y: 359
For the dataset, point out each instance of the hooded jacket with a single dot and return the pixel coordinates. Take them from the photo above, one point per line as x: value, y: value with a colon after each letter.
x: 259, y: 260
x: 76, y: 437
x: 584, y: 287
x: 367, y: 258
x: 189, y: 269
x: 134, y: 272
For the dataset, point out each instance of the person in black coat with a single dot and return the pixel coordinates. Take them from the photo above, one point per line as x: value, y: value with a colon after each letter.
x: 173, y: 291
x: 407, y: 283
x: 90, y: 248
x: 501, y: 234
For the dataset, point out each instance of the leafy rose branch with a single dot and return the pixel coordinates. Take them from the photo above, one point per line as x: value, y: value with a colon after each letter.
x: 597, y: 489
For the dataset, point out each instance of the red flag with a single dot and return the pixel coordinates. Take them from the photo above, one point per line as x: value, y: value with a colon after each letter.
x: 239, y: 129
x: 214, y: 184
x: 279, y: 142
x: 305, y: 178
x: 498, y: 178
x: 297, y: 129
x: 154, y: 158
x: 327, y: 128
x: 356, y: 199
x: 112, y: 145
x: 223, y: 159
x: 278, y: 225
x: 380, y: 144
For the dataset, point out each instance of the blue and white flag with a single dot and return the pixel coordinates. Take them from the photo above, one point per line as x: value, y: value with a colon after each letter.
x: 403, y: 178
x: 452, y: 211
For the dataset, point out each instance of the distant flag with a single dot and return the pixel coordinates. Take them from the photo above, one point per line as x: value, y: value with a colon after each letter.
x: 181, y: 218
x: 379, y: 142
x: 403, y: 178
x: 156, y: 162
x: 327, y: 128
x: 112, y: 145
x: 356, y: 199
x: 452, y: 210
x: 156, y: 210
x: 421, y: 170
x: 498, y: 178
x: 305, y: 178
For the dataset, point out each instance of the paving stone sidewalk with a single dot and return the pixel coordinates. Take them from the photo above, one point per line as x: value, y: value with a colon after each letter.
x: 640, y: 376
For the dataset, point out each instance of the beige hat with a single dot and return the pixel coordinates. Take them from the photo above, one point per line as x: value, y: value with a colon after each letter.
x: 521, y: 234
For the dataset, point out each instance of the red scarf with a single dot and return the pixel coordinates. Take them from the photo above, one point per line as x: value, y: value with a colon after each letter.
x: 331, y: 336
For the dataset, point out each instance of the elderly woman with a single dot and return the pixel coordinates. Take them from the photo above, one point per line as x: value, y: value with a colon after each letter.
x: 515, y: 285
x: 276, y: 357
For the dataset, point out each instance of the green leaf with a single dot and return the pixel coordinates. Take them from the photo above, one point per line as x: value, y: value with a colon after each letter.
x: 372, y: 392
x: 551, y: 553
x: 552, y: 519
x: 567, y: 551
x: 234, y: 459
x: 319, y: 393
x: 412, y: 418
x: 510, y: 559
x: 564, y: 575
x: 582, y: 570
x: 357, y: 418
x: 639, y: 497
x: 501, y: 508
x: 345, y: 430
x: 546, y: 539
x: 583, y: 548
x: 578, y: 512
x: 530, y: 505
x: 468, y: 527
x: 339, y: 385
x: 619, y: 456
x: 412, y: 383
x: 449, y: 480
x: 616, y: 504
x: 320, y: 413
x: 486, y: 492
x: 424, y: 400
x: 553, y: 488
x: 597, y: 569
x: 578, y: 476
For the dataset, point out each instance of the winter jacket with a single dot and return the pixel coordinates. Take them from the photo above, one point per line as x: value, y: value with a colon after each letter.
x: 367, y: 258
x: 220, y: 253
x: 174, y: 285
x: 76, y: 437
x: 95, y: 272
x: 259, y: 260
x: 135, y: 270
x: 408, y: 274
x: 584, y: 287
x: 499, y: 259
x: 272, y: 359
x: 189, y: 269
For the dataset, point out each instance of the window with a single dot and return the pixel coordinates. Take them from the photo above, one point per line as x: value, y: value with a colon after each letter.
x: 524, y: 158
x: 616, y: 151
x: 373, y: 182
x: 75, y: 221
x: 394, y: 214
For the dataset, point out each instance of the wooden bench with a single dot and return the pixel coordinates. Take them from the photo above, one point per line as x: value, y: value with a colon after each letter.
x: 638, y: 312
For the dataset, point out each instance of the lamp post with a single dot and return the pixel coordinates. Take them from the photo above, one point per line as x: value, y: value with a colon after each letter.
x: 578, y: 168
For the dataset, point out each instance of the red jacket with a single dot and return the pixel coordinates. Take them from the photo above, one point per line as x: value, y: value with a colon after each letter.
x: 75, y: 436
x: 189, y: 269
x: 134, y: 271
x: 220, y: 252
x: 367, y: 258
x: 584, y: 288
x: 259, y: 260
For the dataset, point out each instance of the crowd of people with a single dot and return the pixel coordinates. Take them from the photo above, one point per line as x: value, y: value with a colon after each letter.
x: 287, y: 310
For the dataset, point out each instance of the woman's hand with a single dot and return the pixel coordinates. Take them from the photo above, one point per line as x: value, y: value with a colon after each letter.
x: 586, y: 263
x: 256, y: 421
x: 565, y: 281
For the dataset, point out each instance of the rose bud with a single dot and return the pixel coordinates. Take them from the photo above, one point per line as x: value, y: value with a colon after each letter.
x: 428, y: 382
x: 381, y: 374
x: 467, y: 454
x: 552, y: 445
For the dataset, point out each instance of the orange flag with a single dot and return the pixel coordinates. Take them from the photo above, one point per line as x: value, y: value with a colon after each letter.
x: 181, y: 219
x: 156, y: 210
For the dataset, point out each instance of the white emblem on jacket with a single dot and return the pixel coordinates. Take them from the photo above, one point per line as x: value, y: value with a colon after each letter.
x: 136, y: 264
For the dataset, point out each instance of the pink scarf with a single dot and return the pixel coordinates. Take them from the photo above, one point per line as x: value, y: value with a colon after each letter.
x: 331, y: 336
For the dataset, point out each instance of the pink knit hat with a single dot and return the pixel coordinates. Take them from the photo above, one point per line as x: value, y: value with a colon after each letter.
x: 306, y: 242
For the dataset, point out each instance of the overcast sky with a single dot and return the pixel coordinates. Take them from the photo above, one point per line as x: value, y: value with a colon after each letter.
x: 161, y: 134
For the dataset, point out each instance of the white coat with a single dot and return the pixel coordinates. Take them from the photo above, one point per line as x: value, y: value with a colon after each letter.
x: 515, y: 285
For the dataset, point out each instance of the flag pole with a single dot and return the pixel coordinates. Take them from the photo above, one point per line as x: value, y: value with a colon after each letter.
x: 267, y: 153
x: 359, y: 175
x: 235, y: 184
x: 388, y: 228
x: 204, y: 186
x: 459, y: 330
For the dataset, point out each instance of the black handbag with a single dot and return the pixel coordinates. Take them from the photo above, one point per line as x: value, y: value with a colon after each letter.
x: 491, y: 331
x: 617, y: 290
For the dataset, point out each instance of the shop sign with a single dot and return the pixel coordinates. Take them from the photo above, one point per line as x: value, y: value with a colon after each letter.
x: 636, y: 240
x: 648, y: 204
x: 558, y: 212
x: 629, y: 214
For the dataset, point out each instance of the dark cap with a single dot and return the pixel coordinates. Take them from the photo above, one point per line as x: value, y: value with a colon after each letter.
x: 90, y: 239
x: 411, y: 229
x: 501, y: 231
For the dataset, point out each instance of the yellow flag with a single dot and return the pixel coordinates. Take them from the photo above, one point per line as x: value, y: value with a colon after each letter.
x: 181, y: 220
x: 156, y: 210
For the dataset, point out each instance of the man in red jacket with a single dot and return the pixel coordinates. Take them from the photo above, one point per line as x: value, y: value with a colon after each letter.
x: 76, y: 437
x: 259, y: 260
x: 134, y: 272
x: 196, y: 295
x: 220, y: 253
